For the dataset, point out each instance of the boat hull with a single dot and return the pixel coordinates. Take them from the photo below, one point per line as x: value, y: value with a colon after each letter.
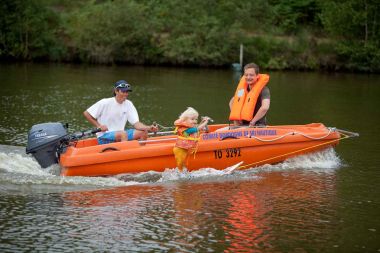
x: 219, y: 149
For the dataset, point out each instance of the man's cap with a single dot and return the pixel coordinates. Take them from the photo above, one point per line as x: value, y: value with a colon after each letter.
x: 123, y: 85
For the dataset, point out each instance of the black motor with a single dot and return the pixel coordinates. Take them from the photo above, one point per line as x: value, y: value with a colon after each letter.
x: 44, y: 140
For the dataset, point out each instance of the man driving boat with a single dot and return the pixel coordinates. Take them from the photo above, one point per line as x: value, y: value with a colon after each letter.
x: 111, y: 115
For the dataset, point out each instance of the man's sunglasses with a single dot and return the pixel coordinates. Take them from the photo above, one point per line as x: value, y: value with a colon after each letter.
x: 124, y: 85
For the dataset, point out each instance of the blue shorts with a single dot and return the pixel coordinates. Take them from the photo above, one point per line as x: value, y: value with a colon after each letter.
x: 109, y: 137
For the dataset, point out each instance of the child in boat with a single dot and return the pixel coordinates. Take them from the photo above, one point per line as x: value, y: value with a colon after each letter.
x: 188, y: 135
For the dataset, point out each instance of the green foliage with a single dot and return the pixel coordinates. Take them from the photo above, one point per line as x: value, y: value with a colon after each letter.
x: 360, y: 57
x: 292, y: 15
x: 355, y: 25
x: 277, y: 34
x: 108, y: 32
x: 28, y: 31
x: 205, y: 35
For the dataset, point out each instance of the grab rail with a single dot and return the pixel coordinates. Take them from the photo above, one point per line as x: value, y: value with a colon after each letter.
x: 149, y: 141
x: 348, y: 133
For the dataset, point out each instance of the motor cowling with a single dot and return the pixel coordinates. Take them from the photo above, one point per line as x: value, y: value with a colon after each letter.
x: 44, y: 140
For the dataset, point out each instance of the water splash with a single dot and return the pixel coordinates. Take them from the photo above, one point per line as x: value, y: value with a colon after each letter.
x: 15, y: 163
x: 24, y: 170
x: 323, y: 161
x: 205, y: 173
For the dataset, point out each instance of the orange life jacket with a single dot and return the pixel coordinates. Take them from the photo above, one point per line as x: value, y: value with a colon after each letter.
x: 185, y: 141
x: 244, y: 102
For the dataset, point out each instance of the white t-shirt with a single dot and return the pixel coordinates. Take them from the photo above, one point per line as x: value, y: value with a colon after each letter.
x: 110, y: 113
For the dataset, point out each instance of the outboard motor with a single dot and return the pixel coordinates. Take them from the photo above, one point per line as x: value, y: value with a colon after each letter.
x: 44, y: 140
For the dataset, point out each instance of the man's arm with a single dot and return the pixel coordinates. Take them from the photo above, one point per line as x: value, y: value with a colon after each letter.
x: 94, y: 122
x: 265, y: 103
x: 140, y: 126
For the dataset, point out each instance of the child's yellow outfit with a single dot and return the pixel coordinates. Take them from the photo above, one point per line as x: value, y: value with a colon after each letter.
x: 186, y: 142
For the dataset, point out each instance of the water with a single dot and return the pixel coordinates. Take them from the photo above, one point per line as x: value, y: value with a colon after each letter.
x: 321, y: 202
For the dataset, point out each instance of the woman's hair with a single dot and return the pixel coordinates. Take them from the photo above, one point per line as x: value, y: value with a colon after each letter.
x: 188, y: 113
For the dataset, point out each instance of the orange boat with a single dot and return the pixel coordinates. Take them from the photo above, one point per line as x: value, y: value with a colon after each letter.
x: 220, y: 147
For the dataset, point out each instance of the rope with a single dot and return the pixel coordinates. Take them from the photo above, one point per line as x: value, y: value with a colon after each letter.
x: 315, y: 138
x: 293, y: 152
x: 164, y: 139
x: 291, y: 133
x: 274, y: 139
x: 345, y: 136
x: 163, y: 127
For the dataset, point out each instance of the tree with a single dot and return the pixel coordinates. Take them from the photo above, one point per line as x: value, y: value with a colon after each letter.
x: 27, y: 30
x: 354, y: 23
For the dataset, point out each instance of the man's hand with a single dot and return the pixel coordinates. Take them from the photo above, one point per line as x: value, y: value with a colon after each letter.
x: 103, y: 128
x: 153, y: 128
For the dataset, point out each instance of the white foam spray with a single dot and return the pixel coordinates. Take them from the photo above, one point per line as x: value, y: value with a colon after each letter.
x: 20, y: 170
x: 325, y: 160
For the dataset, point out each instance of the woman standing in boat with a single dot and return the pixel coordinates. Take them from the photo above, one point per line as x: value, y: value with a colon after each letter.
x: 188, y: 135
x: 252, y: 98
x: 111, y: 115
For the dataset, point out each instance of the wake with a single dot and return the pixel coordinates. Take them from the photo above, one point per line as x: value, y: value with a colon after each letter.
x: 17, y: 169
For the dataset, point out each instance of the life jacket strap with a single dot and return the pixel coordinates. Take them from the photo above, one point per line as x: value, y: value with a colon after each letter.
x: 189, y: 138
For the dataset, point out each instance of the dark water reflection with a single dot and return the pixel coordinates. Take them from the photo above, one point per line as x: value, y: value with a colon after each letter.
x: 297, y: 209
x: 277, y: 212
x: 32, y: 94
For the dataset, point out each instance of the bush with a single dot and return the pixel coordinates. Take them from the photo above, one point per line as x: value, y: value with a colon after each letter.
x: 28, y: 31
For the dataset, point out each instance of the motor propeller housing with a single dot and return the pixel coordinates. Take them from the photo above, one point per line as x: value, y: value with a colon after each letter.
x: 44, y: 140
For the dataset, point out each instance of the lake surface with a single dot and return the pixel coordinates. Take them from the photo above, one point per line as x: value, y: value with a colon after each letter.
x: 323, y: 202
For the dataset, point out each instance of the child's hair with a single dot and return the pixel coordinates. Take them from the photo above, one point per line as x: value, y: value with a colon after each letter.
x: 188, y: 113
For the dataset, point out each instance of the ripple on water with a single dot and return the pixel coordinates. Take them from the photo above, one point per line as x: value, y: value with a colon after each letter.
x: 181, y: 215
x: 17, y: 169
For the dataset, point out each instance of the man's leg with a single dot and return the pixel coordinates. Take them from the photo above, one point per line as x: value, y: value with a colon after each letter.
x: 108, y: 137
x: 121, y: 136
